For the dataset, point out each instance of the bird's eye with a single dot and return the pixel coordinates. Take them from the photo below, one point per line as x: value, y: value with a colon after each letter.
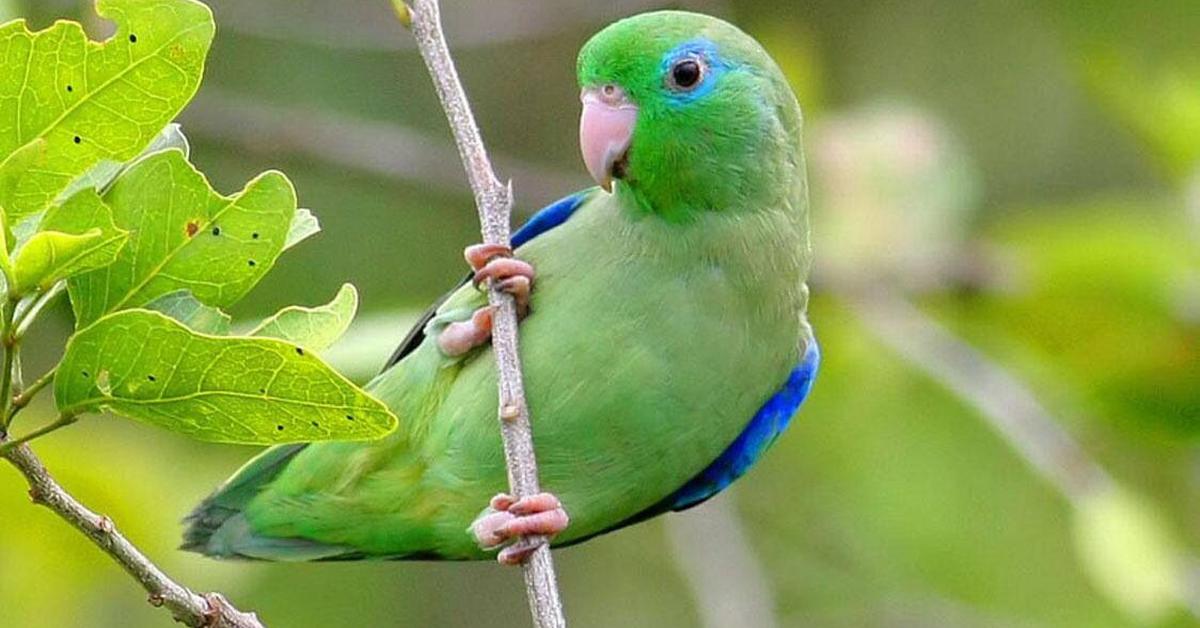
x: 686, y: 74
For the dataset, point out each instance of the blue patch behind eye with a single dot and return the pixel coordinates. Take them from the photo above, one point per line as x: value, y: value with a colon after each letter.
x: 704, y: 49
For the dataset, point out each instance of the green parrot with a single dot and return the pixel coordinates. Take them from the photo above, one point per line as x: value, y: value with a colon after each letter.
x: 663, y: 334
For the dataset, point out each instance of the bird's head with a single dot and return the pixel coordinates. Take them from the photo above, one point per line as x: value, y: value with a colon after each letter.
x: 687, y: 113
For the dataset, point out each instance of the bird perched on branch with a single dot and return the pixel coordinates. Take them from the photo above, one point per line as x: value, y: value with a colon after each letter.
x: 664, y: 337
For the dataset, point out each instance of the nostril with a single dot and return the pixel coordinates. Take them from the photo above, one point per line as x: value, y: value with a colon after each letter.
x: 610, y: 90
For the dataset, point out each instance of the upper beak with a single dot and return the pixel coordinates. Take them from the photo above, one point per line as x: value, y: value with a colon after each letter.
x: 605, y: 130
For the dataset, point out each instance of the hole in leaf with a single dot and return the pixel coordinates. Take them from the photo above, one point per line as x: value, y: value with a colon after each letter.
x: 132, y: 38
x: 84, y: 373
x: 70, y: 88
x: 77, y: 139
x: 192, y: 228
x: 152, y: 378
x: 315, y: 424
x: 251, y: 262
x: 299, y: 351
x: 279, y: 427
x: 216, y: 231
x: 262, y: 391
x: 254, y: 235
x: 349, y: 417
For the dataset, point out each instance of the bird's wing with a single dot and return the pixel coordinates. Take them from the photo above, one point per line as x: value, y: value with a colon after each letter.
x: 759, y: 434
x: 548, y: 218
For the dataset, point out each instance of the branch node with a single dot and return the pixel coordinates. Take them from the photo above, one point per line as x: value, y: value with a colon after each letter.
x: 105, y: 524
x: 156, y: 600
x: 510, y: 412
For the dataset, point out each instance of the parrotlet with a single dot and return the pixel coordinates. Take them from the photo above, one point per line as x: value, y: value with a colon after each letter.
x: 663, y: 334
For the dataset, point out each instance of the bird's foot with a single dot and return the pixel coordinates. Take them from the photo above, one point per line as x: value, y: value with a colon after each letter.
x: 508, y: 518
x: 491, y: 262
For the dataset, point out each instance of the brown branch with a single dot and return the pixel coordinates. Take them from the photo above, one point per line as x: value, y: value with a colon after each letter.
x: 188, y: 607
x: 494, y: 201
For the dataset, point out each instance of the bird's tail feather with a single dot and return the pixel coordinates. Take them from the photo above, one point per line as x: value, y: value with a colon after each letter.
x: 217, y: 527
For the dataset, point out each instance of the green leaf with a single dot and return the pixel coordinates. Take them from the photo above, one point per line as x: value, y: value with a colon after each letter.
x: 50, y: 256
x: 91, y: 101
x: 304, y: 226
x: 314, y: 328
x: 149, y: 367
x: 75, y: 237
x: 101, y: 176
x: 184, y: 307
x: 185, y: 236
x: 16, y: 164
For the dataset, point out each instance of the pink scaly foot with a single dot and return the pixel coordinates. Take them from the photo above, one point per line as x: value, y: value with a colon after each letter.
x: 491, y: 262
x: 508, y: 518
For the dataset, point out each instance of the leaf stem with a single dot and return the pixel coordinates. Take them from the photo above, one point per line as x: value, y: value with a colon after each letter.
x: 7, y: 309
x: 61, y: 422
x: 23, y: 398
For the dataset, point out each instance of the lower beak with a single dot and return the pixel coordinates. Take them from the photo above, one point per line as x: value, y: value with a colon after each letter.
x: 605, y: 130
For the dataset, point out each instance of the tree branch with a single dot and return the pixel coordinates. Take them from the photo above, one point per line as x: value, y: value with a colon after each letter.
x: 190, y: 608
x: 494, y: 201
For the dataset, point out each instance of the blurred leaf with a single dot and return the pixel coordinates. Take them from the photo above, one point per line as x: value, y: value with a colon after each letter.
x: 185, y: 308
x: 104, y: 173
x: 1130, y: 553
x: 186, y: 236
x: 1141, y: 62
x: 224, y: 389
x: 314, y: 328
x: 304, y: 226
x: 75, y: 237
x: 93, y: 101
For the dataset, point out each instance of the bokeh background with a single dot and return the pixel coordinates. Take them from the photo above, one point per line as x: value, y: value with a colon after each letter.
x: 1006, y: 198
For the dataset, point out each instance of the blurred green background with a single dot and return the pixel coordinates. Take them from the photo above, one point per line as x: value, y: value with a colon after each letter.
x: 1027, y: 173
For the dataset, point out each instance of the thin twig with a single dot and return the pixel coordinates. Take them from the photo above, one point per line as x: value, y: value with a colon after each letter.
x: 1008, y: 405
x: 187, y: 606
x: 494, y: 202
x: 728, y: 582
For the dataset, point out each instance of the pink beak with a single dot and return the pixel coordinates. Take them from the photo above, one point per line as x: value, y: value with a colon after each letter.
x: 605, y: 130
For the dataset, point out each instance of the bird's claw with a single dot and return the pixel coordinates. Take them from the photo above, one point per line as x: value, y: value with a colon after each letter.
x: 491, y: 262
x: 508, y: 520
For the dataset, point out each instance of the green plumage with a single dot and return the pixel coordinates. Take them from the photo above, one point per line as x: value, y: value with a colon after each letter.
x: 663, y: 316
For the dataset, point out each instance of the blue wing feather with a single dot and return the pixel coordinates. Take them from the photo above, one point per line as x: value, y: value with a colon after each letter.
x: 549, y: 218
x: 543, y: 221
x: 766, y: 426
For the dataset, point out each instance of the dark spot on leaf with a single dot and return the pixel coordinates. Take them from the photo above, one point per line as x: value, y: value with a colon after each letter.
x: 132, y: 38
x: 192, y: 228
x: 279, y: 427
x: 299, y: 351
x: 84, y: 373
x: 315, y: 424
x: 152, y: 378
x: 216, y: 231
x: 78, y: 139
x: 251, y: 262
x: 70, y: 88
x: 262, y: 391
x: 254, y: 235
x: 349, y: 417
